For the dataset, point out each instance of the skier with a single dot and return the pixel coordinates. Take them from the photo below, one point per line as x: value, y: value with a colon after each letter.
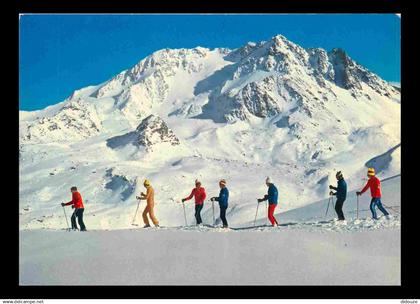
x: 223, y: 201
x: 341, y: 193
x: 77, y: 204
x: 272, y: 197
x: 199, y: 194
x: 375, y: 190
x: 150, y: 199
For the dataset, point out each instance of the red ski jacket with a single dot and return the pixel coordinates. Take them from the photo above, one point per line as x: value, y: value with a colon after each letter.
x: 375, y: 187
x: 76, y: 201
x: 199, y: 195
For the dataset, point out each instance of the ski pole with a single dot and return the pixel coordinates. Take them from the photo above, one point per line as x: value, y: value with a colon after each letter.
x: 357, y: 214
x: 212, y: 206
x: 392, y: 208
x: 256, y: 213
x: 328, y: 206
x: 332, y: 202
x: 67, y: 221
x: 135, y: 214
x: 266, y: 219
x: 185, y: 215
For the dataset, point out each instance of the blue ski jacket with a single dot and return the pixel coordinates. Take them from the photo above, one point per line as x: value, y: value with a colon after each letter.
x: 272, y: 195
x: 341, y: 189
x: 223, y: 197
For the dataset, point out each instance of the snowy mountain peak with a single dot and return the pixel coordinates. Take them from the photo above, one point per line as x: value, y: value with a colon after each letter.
x: 344, y: 69
x: 259, y: 80
x: 161, y: 65
x: 351, y: 76
x: 281, y: 41
x: 278, y: 70
x: 76, y: 120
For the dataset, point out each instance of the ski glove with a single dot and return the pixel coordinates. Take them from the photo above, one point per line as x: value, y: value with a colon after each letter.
x: 260, y: 200
x: 213, y: 199
x: 331, y: 187
x: 62, y: 204
x: 358, y: 193
x: 183, y: 200
x: 332, y: 193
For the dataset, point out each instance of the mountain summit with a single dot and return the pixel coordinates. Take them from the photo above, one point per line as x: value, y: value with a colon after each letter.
x: 258, y: 80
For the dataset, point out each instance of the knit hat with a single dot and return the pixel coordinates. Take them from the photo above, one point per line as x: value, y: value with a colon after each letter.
x: 197, y: 182
x: 146, y: 183
x: 268, y: 180
x: 339, y: 175
x: 222, y: 182
x: 371, y: 172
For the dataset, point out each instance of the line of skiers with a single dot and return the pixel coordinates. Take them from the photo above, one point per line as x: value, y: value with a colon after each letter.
x: 199, y: 194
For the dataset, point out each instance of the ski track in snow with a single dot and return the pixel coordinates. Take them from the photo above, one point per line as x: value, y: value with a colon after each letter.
x: 354, y: 225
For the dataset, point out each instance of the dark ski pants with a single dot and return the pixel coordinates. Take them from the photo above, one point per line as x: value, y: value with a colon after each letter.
x: 339, y: 209
x: 376, y: 202
x: 223, y: 215
x: 79, y: 214
x: 197, y: 213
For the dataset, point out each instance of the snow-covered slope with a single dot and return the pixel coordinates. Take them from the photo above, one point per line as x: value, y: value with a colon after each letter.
x: 177, y: 257
x: 268, y: 108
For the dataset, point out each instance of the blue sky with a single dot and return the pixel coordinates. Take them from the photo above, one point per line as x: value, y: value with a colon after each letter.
x: 62, y: 53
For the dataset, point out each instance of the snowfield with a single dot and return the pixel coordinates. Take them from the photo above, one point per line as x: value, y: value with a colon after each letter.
x: 178, y: 257
x: 270, y: 108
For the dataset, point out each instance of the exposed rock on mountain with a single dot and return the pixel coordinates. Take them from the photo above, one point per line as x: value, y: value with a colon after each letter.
x: 151, y: 131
